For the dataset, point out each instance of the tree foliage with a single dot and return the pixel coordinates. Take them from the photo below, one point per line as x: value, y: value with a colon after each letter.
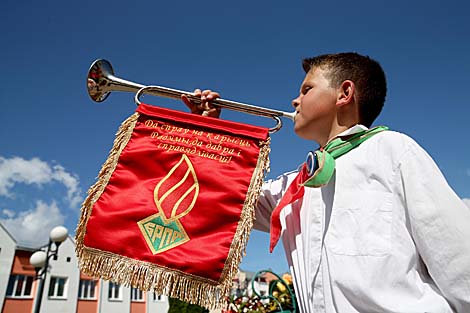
x: 178, y: 306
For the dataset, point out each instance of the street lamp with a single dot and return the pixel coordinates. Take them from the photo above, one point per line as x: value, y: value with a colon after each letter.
x: 40, y: 260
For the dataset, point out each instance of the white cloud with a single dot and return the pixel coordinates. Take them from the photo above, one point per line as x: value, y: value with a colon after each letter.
x: 467, y: 202
x: 70, y: 182
x: 8, y: 213
x: 18, y: 170
x: 32, y: 227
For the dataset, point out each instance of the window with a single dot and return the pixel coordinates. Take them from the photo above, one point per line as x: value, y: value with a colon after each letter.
x: 114, y: 292
x: 58, y: 288
x: 86, y: 289
x: 158, y: 297
x: 137, y: 295
x: 19, y: 286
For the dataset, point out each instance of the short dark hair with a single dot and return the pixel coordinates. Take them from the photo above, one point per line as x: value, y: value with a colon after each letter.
x: 366, y: 73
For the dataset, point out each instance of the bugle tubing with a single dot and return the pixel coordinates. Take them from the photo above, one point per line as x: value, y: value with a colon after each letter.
x: 101, y: 82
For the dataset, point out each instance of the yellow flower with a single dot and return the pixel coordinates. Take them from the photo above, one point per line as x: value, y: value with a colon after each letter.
x: 281, y: 287
x: 287, y: 278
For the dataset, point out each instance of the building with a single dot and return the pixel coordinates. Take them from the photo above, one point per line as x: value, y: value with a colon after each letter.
x: 66, y: 290
x: 7, y: 253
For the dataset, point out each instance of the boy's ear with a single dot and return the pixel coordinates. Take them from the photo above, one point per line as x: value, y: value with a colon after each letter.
x: 346, y: 93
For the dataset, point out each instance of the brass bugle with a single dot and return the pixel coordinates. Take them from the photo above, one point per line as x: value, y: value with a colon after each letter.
x: 101, y: 82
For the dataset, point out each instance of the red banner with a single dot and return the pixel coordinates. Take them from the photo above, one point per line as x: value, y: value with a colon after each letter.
x: 174, y: 204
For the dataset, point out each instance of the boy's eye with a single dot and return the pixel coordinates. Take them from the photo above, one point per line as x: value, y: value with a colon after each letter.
x: 306, y: 89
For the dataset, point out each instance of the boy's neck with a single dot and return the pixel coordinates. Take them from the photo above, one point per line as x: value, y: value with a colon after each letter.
x: 347, y: 116
x: 339, y: 130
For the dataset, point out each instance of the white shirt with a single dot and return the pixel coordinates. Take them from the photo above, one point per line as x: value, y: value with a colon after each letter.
x: 387, y: 234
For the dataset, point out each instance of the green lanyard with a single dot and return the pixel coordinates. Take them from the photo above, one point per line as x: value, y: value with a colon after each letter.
x: 321, y: 163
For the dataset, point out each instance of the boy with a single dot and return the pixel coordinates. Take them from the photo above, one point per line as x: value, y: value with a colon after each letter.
x: 383, y: 232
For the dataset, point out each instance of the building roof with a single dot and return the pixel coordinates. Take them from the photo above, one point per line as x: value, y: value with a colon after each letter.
x: 24, y: 247
x: 7, y: 232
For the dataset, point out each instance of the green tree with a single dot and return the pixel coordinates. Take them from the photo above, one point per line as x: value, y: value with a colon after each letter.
x: 178, y: 306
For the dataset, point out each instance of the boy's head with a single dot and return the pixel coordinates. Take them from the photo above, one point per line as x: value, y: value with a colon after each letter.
x: 366, y: 74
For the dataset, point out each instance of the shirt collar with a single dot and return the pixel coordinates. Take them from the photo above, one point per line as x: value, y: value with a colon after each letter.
x: 353, y: 130
x: 350, y: 131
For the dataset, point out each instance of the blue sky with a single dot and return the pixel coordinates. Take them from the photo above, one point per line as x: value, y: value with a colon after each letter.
x: 54, y: 138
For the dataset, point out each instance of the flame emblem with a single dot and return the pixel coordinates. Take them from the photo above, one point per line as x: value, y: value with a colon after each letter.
x: 174, y: 196
x: 177, y: 192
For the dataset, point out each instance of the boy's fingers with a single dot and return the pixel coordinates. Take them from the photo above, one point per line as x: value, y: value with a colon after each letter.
x: 205, y: 107
x: 209, y: 94
x: 213, y: 95
x: 214, y: 112
x: 192, y: 106
x: 185, y: 100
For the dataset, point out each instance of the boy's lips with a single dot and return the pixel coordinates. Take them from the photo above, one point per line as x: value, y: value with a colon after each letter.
x: 295, y: 116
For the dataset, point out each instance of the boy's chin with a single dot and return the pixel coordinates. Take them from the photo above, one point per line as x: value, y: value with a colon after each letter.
x: 302, y: 133
x: 305, y: 133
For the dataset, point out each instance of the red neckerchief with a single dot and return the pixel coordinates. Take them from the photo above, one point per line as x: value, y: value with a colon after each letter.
x: 293, y: 193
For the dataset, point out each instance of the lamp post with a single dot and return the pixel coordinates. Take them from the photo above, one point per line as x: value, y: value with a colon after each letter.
x: 40, y: 260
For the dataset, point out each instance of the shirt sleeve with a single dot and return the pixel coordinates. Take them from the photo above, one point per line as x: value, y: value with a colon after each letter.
x: 440, y: 225
x: 271, y: 194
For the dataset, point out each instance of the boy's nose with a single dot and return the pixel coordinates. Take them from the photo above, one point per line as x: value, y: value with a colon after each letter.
x: 296, y: 102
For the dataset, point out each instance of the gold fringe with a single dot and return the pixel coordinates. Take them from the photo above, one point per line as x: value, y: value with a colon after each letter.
x: 245, y: 224
x: 151, y: 277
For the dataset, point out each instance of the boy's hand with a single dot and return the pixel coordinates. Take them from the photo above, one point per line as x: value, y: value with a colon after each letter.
x: 206, y: 108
